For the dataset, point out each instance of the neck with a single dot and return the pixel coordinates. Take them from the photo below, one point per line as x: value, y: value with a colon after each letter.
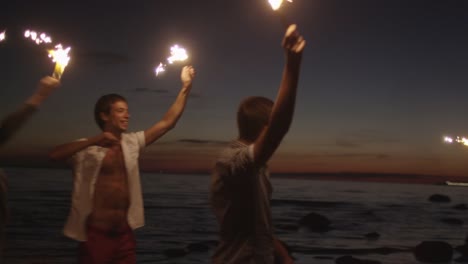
x: 115, y: 132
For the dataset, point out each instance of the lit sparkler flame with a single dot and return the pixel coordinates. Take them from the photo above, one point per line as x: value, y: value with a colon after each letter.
x: 61, y: 59
x: 463, y: 141
x: 177, y: 54
x: 161, y: 68
x: 459, y: 140
x: 276, y: 4
x: 2, y: 35
x: 37, y: 38
x: 448, y: 140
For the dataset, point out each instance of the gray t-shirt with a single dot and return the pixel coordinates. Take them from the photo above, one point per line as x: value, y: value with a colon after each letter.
x: 240, y: 198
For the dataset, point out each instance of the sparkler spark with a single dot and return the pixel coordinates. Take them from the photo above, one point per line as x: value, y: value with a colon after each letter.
x: 2, y: 35
x: 276, y: 4
x: 459, y: 140
x: 61, y: 59
x: 448, y: 140
x: 37, y: 38
x: 177, y: 54
x: 161, y: 68
x: 463, y: 141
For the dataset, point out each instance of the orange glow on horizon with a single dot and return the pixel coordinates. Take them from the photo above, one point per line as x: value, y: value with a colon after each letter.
x: 201, y: 159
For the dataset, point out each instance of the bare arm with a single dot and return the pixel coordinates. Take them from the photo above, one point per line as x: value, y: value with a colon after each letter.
x: 282, y: 252
x: 283, y: 109
x: 171, y: 117
x: 65, y: 151
x: 15, y: 120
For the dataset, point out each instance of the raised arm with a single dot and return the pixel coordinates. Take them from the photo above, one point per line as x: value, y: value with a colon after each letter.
x: 65, y: 151
x: 15, y: 120
x: 171, y: 117
x: 283, y: 108
x: 281, y: 252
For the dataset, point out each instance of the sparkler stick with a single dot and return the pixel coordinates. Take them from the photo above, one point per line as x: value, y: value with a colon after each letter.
x: 177, y: 54
x: 61, y: 59
x: 276, y: 5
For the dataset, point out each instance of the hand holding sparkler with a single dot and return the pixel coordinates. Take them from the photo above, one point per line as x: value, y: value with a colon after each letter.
x: 15, y: 120
x: 187, y: 75
x: 293, y: 42
x: 44, y: 88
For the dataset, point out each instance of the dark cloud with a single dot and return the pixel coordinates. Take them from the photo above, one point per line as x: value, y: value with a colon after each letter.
x: 169, y: 93
x: 371, y: 136
x: 191, y: 142
x: 346, y: 143
x: 364, y: 138
x: 360, y: 155
x: 149, y: 90
x: 351, y: 155
x: 202, y: 141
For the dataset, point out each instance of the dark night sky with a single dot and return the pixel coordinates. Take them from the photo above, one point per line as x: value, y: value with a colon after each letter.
x: 381, y: 81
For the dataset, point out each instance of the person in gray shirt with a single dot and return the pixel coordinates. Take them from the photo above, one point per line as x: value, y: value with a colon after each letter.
x: 240, y: 188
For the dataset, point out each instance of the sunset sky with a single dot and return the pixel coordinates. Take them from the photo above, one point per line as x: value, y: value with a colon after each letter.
x: 381, y: 81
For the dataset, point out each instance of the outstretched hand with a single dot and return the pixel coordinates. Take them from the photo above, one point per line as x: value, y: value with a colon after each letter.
x: 47, y: 85
x: 293, y: 42
x: 44, y: 88
x: 187, y: 75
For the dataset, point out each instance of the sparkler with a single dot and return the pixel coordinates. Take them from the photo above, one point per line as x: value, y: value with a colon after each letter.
x: 61, y: 59
x: 2, y: 35
x: 37, y: 38
x: 275, y: 5
x: 59, y: 55
x: 177, y: 54
x: 459, y: 140
x: 161, y: 68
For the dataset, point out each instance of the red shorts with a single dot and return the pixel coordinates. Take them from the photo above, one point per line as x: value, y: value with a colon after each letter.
x: 108, y: 247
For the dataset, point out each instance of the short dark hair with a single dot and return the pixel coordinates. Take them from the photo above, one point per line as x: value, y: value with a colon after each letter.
x: 252, y: 116
x: 103, y: 105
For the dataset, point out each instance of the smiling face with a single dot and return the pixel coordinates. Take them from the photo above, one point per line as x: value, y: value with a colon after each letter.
x: 117, y: 118
x: 111, y: 113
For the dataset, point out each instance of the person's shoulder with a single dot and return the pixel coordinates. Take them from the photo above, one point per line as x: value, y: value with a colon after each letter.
x: 236, y: 153
x: 134, y: 138
x: 133, y: 134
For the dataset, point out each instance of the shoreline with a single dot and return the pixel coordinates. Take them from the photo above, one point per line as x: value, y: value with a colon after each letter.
x: 397, y: 178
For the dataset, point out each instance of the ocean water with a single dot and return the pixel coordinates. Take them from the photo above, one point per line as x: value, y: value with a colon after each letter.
x: 180, y: 227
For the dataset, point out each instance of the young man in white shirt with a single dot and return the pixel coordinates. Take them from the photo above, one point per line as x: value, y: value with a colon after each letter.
x: 107, y: 200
